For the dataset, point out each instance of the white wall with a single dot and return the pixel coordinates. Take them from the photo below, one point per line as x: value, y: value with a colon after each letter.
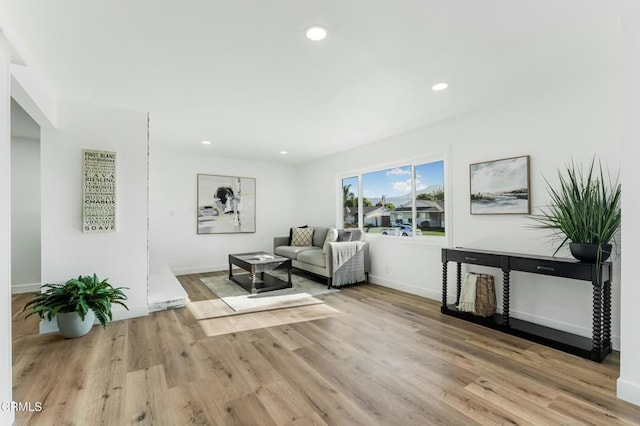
x: 25, y: 215
x: 174, y: 241
x: 629, y: 381
x: 66, y: 251
x: 6, y: 417
x: 575, y: 120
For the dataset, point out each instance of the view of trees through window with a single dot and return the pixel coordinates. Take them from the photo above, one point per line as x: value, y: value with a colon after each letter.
x: 388, y: 204
x: 350, y: 202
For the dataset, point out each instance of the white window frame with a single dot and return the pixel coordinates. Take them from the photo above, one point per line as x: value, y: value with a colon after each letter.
x: 339, y: 212
x: 430, y: 240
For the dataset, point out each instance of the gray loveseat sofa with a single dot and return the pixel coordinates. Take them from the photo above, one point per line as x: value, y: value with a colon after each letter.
x: 313, y: 259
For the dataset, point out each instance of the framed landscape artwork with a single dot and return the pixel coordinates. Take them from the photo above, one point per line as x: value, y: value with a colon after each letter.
x: 500, y: 186
x: 226, y: 204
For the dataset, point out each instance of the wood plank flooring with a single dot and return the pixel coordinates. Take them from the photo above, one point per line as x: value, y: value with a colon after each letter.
x: 385, y: 358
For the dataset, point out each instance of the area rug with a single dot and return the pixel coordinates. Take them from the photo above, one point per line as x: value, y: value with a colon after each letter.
x: 238, y: 301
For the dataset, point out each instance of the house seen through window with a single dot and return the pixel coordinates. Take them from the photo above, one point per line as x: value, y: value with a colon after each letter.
x: 402, y: 201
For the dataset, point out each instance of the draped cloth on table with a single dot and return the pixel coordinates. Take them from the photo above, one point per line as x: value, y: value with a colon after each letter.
x: 478, y: 294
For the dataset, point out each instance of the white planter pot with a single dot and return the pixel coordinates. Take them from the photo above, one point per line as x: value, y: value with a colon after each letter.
x: 71, y: 326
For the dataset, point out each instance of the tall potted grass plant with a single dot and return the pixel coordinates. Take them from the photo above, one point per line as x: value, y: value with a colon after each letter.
x: 584, y: 212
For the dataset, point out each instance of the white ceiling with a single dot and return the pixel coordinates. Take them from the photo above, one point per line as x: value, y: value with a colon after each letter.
x: 242, y: 74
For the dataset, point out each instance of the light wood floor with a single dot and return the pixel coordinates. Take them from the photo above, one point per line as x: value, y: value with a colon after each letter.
x: 388, y: 358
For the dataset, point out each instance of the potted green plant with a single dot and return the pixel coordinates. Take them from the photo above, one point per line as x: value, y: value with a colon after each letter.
x: 584, y: 212
x: 76, y: 304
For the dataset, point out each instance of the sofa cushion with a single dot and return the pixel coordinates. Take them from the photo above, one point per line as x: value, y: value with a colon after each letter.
x: 302, y: 237
x: 356, y: 234
x: 319, y: 235
x: 315, y: 256
x: 290, y: 251
x: 332, y: 236
x: 344, y: 236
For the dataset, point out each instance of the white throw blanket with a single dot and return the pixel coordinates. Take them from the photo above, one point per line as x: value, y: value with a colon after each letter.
x: 468, y: 293
x: 348, y: 262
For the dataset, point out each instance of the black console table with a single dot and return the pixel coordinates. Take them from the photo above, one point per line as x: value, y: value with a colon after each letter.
x: 597, y: 348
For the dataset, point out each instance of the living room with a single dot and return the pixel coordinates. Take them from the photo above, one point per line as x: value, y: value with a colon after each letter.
x: 579, y: 106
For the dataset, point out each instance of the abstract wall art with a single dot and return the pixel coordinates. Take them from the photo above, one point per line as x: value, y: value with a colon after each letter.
x: 226, y: 204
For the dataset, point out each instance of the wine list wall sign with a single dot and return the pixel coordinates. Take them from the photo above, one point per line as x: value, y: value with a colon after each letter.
x: 98, y: 191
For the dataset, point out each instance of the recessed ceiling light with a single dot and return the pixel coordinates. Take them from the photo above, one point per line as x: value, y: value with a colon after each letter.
x: 206, y: 142
x: 316, y: 32
x: 439, y: 86
x: 283, y: 152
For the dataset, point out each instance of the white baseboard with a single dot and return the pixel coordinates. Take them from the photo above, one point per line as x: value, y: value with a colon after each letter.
x: 200, y: 269
x: 25, y: 288
x: 547, y: 322
x: 118, y: 314
x: 628, y: 391
x: 561, y: 325
x: 408, y: 288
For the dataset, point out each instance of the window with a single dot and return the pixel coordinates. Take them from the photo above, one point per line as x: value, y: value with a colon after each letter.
x: 350, y: 192
x: 429, y: 179
x: 383, y: 191
x: 407, y: 200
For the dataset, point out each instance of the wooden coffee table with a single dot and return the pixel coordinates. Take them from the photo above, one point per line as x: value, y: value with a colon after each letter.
x: 256, y: 264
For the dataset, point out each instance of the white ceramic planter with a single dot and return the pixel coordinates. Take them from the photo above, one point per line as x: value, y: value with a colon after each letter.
x: 71, y: 326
